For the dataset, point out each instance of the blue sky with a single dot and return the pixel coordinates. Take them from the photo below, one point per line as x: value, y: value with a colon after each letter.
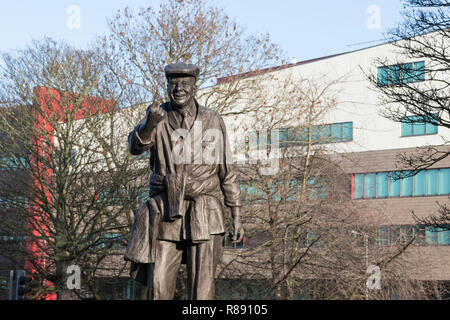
x: 303, y: 28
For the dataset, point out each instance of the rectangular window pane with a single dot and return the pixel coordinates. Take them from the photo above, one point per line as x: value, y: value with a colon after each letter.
x: 444, y: 235
x: 347, y: 131
x: 395, y: 74
x: 394, y: 235
x: 382, y: 236
x: 419, y: 184
x: 431, y: 127
x: 406, y: 186
x: 444, y: 181
x: 369, y: 185
x: 432, y: 182
x: 419, y: 70
x: 431, y: 235
x: 418, y: 128
x: 407, y: 129
x: 383, y: 76
x: 407, y: 73
x: 382, y: 185
x: 394, y: 185
x: 336, y: 131
x: 253, y: 140
x: 316, y: 135
x: 358, y: 186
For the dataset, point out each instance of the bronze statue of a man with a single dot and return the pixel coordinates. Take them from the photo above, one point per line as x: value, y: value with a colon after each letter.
x: 183, y: 220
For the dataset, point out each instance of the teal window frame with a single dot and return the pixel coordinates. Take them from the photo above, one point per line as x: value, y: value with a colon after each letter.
x: 383, y: 236
x: 401, y: 73
x: 9, y: 163
x: 418, y: 126
x: 444, y: 181
x: 432, y: 182
x: 382, y: 185
x: 429, y: 182
x: 298, y: 136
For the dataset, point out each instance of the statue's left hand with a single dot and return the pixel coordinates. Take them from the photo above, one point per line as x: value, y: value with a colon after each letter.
x: 238, y: 229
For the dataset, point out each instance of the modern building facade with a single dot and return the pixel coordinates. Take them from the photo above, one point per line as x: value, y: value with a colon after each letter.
x: 369, y: 145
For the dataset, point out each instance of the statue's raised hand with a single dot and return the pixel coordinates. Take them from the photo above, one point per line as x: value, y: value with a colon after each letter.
x: 153, y: 116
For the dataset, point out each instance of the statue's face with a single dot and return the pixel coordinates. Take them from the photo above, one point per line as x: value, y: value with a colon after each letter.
x: 181, y: 90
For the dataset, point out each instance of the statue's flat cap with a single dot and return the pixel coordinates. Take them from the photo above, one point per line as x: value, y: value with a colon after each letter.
x: 181, y: 69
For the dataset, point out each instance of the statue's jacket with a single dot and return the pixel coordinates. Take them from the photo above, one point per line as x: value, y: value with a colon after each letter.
x: 186, y: 196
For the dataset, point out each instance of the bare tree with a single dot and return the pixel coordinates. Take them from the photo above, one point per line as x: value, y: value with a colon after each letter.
x: 69, y: 186
x: 139, y: 45
x: 419, y: 93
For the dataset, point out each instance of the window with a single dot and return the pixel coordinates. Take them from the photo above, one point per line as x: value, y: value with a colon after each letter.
x: 382, y: 185
x: 308, y: 239
x: 437, y: 235
x: 341, y: 132
x: 113, y: 241
x: 418, y: 125
x: 358, y: 190
x: 111, y: 196
x: 419, y: 234
x: 278, y: 190
x: 444, y: 181
x: 401, y: 73
x: 10, y: 163
x: 298, y: 136
x: 429, y: 182
x: 14, y: 202
x: 406, y: 185
x: 419, y: 184
x: 382, y: 236
x: 318, y: 188
x: 370, y: 185
x: 432, y: 184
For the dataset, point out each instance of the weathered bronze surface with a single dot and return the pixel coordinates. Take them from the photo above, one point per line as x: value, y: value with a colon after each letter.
x: 183, y: 220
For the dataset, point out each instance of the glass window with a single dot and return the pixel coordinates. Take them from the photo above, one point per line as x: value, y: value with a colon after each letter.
x: 406, y: 184
x: 407, y: 129
x: 358, y: 186
x: 394, y: 185
x: 383, y: 76
x: 395, y: 74
x: 431, y: 128
x: 444, y: 181
x: 382, y: 236
x: 253, y: 140
x: 394, y: 234
x: 421, y: 125
x: 432, y: 182
x: 316, y: 135
x: 382, y: 185
x: 370, y: 185
x: 419, y: 70
x: 419, y: 183
x: 401, y: 73
x: 418, y: 128
x: 347, y: 131
x: 325, y: 132
x: 336, y: 131
x: 444, y: 235
x: 431, y: 235
x: 263, y: 139
x: 408, y: 73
